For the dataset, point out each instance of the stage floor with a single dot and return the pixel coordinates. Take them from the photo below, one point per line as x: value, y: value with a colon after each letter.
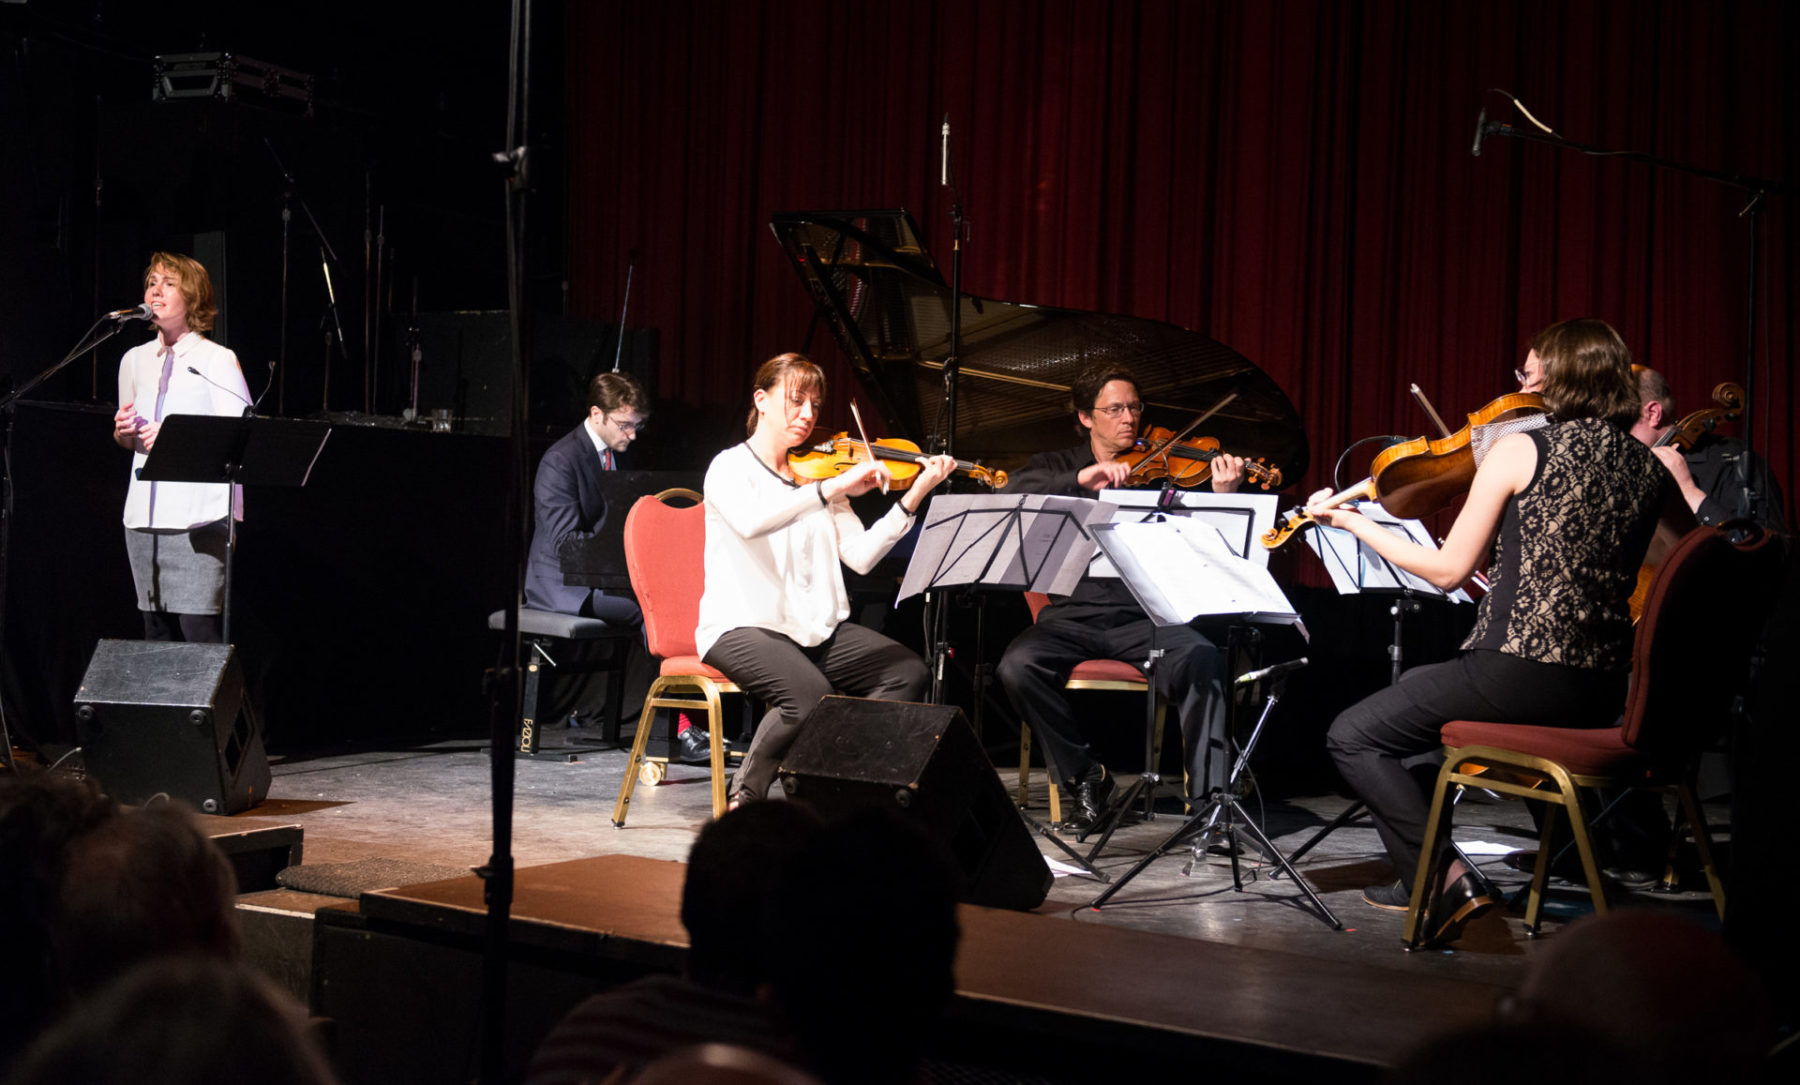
x: 430, y: 804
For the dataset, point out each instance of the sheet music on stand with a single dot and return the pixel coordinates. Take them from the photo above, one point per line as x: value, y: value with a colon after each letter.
x: 1182, y: 569
x: 1237, y: 519
x: 1025, y: 542
x: 1356, y: 567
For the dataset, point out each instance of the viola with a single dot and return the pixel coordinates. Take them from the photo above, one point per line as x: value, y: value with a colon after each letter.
x: 840, y: 452
x: 1417, y: 478
x: 1187, y: 462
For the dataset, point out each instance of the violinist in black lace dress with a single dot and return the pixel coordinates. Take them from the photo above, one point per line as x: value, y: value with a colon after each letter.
x: 1567, y: 512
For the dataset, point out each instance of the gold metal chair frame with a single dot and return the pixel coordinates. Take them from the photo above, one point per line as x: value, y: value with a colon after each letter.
x: 1539, y: 779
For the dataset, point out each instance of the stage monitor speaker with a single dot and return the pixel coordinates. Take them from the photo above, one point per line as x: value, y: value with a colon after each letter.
x: 923, y: 760
x: 157, y: 717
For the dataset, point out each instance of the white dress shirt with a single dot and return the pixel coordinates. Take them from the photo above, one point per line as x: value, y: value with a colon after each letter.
x: 773, y: 552
x: 181, y: 505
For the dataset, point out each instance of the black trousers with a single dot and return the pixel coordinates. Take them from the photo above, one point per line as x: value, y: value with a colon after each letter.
x: 1370, y: 740
x: 792, y: 680
x: 1190, y: 675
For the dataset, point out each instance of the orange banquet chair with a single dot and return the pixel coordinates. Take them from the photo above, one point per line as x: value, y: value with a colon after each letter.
x: 1686, y: 668
x: 1089, y: 674
x: 665, y: 548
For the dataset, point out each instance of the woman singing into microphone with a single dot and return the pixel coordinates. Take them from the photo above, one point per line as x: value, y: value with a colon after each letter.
x: 175, y: 532
x: 1567, y: 512
x: 772, y: 616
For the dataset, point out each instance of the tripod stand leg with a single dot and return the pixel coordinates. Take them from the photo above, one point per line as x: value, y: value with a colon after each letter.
x: 1074, y: 856
x: 1144, y: 785
x: 1237, y: 812
x: 1210, y: 810
x: 1350, y: 813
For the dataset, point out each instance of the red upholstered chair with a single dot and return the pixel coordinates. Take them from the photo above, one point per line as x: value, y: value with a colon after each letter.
x: 665, y: 549
x: 1690, y: 658
x: 1090, y: 674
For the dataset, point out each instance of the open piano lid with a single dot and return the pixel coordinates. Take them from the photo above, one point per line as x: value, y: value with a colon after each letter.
x: 887, y: 305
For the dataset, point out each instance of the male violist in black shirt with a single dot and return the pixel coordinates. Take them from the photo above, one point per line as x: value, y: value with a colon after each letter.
x: 1101, y: 620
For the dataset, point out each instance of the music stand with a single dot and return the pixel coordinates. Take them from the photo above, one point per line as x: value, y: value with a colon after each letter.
x: 1237, y: 520
x: 1017, y: 542
x: 251, y: 451
x: 1179, y: 570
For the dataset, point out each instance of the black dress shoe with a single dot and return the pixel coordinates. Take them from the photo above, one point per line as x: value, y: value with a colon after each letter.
x: 695, y: 745
x: 1460, y: 902
x: 1093, y: 796
x: 1393, y: 897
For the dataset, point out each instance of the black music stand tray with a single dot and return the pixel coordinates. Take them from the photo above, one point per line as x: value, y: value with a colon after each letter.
x: 240, y: 452
x: 1017, y: 542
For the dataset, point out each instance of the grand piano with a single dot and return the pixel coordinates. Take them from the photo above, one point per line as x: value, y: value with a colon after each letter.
x: 885, y: 302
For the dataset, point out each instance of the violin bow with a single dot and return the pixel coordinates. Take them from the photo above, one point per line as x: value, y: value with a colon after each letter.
x: 867, y: 450
x: 1189, y: 428
x: 1430, y: 410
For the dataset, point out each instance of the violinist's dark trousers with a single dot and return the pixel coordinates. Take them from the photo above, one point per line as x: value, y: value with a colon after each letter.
x: 1191, y: 675
x: 792, y: 680
x: 1370, y: 740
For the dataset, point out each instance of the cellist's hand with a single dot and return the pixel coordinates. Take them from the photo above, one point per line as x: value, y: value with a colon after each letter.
x: 1227, y: 473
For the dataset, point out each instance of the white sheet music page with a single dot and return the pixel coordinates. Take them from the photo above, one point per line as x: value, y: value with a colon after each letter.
x: 1182, y: 569
x: 1356, y: 567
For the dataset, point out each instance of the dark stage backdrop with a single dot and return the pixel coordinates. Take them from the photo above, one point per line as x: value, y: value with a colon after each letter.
x: 1291, y: 178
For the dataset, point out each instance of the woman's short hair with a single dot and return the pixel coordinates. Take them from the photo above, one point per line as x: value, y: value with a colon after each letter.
x: 1587, y: 372
x: 789, y: 370
x: 194, y: 283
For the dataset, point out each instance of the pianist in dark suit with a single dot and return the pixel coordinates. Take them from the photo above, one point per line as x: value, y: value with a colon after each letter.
x: 1101, y: 620
x: 568, y: 504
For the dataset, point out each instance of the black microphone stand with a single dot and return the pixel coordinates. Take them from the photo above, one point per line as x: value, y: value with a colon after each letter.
x: 8, y: 404
x: 290, y: 192
x: 506, y: 690
x: 945, y: 442
x: 1758, y: 189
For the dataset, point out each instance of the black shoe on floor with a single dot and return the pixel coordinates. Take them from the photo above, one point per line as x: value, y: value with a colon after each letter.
x: 1568, y: 869
x: 1092, y: 797
x: 1393, y: 897
x: 695, y: 745
x: 1461, y: 902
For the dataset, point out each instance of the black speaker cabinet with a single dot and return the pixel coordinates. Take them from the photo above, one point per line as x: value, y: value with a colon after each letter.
x: 157, y: 717
x: 923, y: 759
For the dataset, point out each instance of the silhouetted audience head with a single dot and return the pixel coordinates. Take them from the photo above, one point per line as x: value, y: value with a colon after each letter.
x: 860, y: 935
x: 191, y: 1020
x: 721, y: 1064
x: 1655, y: 985
x: 731, y: 869
x: 91, y: 889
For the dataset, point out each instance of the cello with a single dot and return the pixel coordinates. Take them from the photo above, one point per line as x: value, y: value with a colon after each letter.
x: 1682, y: 435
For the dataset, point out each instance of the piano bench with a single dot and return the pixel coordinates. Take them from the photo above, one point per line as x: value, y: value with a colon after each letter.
x: 541, y: 631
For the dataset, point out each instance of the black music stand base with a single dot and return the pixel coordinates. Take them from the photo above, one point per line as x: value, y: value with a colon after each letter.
x: 1221, y: 814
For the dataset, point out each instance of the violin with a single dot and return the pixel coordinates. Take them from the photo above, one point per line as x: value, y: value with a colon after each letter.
x: 1417, y: 478
x: 841, y: 452
x: 1682, y: 435
x: 1162, y: 454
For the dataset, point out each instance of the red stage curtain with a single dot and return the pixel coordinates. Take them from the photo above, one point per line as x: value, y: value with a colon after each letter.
x: 1291, y: 178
